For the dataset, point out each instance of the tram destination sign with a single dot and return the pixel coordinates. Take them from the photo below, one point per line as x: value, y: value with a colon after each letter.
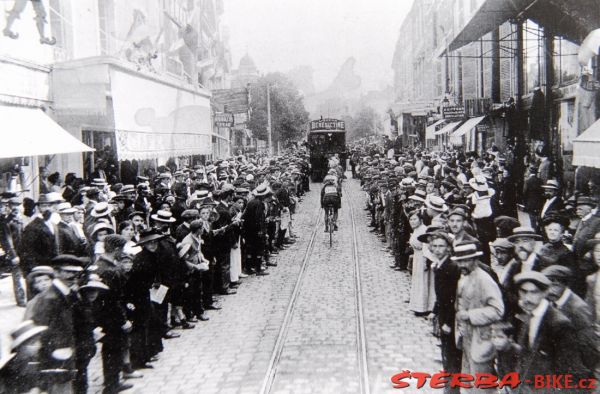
x: 327, y: 124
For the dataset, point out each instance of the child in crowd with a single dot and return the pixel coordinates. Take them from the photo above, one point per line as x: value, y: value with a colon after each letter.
x: 507, y: 351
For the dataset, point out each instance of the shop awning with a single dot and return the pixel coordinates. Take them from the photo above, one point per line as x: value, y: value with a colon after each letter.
x: 586, y: 147
x: 30, y: 132
x: 467, y: 126
x: 430, y: 130
x: 577, y: 18
x: 448, y: 128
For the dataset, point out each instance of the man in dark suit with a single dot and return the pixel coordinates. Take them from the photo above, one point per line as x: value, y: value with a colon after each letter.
x: 39, y: 242
x: 545, y: 335
x: 68, y: 241
x: 113, y: 317
x: 576, y: 310
x: 223, y: 240
x: 532, y: 191
x: 586, y: 230
x: 254, y: 228
x: 54, y: 308
x: 553, y: 202
x: 446, y: 279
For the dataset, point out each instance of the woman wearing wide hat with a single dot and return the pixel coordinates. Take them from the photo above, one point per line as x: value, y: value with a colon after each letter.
x: 147, y: 330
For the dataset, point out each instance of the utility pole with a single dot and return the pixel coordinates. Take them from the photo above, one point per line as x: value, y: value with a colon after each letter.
x: 269, y: 130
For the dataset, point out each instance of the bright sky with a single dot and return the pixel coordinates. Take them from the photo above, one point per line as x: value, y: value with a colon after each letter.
x: 282, y: 34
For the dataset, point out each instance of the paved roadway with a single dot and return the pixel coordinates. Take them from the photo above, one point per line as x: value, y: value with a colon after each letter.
x: 317, y: 351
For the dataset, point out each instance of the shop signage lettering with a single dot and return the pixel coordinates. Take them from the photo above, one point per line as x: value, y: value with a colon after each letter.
x: 224, y: 120
x: 453, y: 112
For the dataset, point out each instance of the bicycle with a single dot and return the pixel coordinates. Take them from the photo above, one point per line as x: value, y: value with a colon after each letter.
x: 329, y: 223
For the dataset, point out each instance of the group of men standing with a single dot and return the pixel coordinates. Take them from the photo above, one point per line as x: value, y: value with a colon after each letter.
x: 504, y: 296
x: 124, y: 265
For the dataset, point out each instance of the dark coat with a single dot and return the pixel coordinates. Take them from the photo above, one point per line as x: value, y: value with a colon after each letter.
x: 445, y: 283
x: 586, y: 230
x: 532, y: 193
x: 554, y: 350
x: 69, y: 242
x: 54, y: 308
x: 254, y: 218
x: 112, y: 315
x: 556, y: 206
x: 224, y: 240
x: 38, y: 245
x: 142, y: 276
x: 580, y: 314
x: 182, y: 231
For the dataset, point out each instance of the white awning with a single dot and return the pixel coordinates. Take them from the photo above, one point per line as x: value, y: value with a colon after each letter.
x: 586, y: 147
x: 467, y: 126
x: 430, y: 130
x: 446, y: 129
x: 30, y: 132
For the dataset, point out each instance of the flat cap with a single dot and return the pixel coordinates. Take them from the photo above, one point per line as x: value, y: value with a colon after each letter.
x: 537, y: 278
x: 558, y: 272
x: 502, y: 243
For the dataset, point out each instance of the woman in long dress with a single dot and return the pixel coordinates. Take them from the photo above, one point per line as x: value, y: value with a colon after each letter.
x: 422, y: 296
x: 235, y: 258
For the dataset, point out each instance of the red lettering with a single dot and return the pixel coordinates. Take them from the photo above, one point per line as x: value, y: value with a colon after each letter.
x: 511, y: 380
x: 557, y: 382
x: 397, y: 380
x: 592, y: 383
x: 539, y: 381
x: 461, y: 380
x: 569, y: 382
x: 486, y: 381
x: 421, y: 378
x: 439, y: 380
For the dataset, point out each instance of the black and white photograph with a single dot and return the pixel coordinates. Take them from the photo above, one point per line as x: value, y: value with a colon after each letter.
x: 299, y: 196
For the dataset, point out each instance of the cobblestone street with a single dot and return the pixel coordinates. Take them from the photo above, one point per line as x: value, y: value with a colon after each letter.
x: 231, y: 352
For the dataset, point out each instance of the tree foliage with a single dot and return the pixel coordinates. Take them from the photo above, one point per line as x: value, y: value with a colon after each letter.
x: 366, y: 122
x: 288, y: 115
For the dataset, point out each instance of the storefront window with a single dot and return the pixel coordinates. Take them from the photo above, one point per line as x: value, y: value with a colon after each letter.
x: 566, y: 66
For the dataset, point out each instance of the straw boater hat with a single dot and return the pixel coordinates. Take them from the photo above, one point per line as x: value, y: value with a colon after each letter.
x: 466, y: 250
x: 479, y: 183
x: 261, y: 191
x: 101, y: 226
x: 163, y: 217
x: 66, y: 208
x: 94, y: 283
x: 50, y: 198
x: 551, y: 184
x: 418, y: 195
x: 524, y: 232
x: 23, y: 332
x: 101, y: 209
x: 436, y: 203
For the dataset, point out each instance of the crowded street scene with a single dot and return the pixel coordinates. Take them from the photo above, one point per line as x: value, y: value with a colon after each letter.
x: 266, y: 196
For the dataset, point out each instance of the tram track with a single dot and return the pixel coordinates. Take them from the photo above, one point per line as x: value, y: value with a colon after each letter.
x: 308, y: 260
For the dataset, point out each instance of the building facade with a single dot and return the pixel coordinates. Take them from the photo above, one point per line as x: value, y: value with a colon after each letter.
x: 504, y: 73
x: 131, y: 79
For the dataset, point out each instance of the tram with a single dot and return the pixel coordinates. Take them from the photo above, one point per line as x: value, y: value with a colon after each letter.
x: 326, y: 137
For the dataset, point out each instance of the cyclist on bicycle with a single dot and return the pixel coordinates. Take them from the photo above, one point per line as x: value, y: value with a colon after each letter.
x: 331, y: 198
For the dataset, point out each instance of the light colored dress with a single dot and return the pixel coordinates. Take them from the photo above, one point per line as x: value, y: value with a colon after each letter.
x: 235, y: 261
x: 422, y: 292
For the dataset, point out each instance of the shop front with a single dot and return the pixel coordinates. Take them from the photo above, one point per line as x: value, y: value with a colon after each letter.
x: 134, y: 120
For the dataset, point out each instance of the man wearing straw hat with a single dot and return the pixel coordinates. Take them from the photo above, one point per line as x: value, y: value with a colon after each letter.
x: 479, y: 304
